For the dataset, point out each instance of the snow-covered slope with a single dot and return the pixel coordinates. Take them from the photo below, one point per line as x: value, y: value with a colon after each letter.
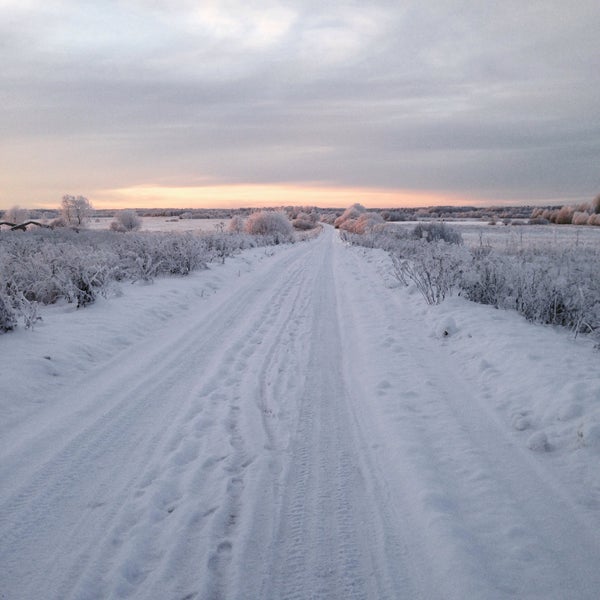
x: 292, y: 425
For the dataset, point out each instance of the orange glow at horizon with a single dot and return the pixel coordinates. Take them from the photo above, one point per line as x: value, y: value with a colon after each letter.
x: 265, y: 195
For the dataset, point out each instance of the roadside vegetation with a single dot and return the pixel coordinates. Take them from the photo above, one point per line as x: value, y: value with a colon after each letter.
x: 549, y: 284
x: 72, y: 264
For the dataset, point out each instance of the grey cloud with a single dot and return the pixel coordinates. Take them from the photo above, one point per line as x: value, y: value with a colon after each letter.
x: 499, y: 101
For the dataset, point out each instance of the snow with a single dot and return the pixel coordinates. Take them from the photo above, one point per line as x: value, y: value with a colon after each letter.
x: 293, y: 424
x: 166, y: 224
x: 501, y: 237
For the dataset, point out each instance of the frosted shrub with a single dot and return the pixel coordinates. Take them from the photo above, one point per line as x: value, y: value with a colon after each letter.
x: 594, y: 219
x: 389, y: 239
x: 126, y: 220
x: 271, y: 224
x: 435, y: 269
x: 8, y: 318
x: 41, y: 269
x: 183, y: 254
x: 45, y: 266
x: 486, y: 281
x: 28, y: 309
x: 139, y: 258
x: 554, y: 286
x: 364, y: 223
x: 221, y: 245
x: 304, y: 221
x: 433, y: 232
x: 535, y: 293
x: 351, y: 213
x: 565, y: 215
x: 580, y: 218
x: 87, y: 277
x: 236, y: 225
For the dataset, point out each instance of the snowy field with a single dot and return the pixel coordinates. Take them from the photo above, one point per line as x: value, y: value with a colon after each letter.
x: 474, y: 232
x: 166, y: 224
x: 293, y: 424
x: 503, y: 237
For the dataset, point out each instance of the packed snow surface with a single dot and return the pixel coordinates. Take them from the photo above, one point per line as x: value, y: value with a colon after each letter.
x: 293, y: 424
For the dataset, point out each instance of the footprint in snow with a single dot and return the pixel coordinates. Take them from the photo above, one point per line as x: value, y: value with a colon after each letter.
x: 538, y: 442
x: 186, y: 454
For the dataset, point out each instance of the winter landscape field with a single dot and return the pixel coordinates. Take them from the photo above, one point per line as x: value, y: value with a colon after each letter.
x: 258, y: 419
x: 167, y: 224
x: 299, y: 300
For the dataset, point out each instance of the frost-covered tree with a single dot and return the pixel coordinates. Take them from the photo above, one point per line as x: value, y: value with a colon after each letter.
x: 75, y: 210
x: 16, y: 215
x: 595, y: 205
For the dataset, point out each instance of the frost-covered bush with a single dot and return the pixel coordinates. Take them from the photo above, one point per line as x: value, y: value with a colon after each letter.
x: 434, y: 232
x: 126, y: 220
x: 364, y: 223
x: 142, y: 257
x: 594, y: 219
x: 43, y: 268
x: 390, y: 239
x: 183, y: 254
x: 8, y: 317
x: 486, y: 281
x: 46, y: 266
x: 272, y: 224
x: 554, y: 286
x: 138, y: 257
x: 16, y: 215
x: 221, y: 245
x: 86, y: 276
x: 236, y: 225
x: 580, y: 218
x: 352, y: 213
x: 305, y: 221
x: 565, y: 215
x: 435, y: 268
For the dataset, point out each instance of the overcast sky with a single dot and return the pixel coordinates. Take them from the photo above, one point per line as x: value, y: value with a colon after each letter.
x: 137, y: 101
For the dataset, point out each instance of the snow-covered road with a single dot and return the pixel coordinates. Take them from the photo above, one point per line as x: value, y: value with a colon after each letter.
x: 298, y: 435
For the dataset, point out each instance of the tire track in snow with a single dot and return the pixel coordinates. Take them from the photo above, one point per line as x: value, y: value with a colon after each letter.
x: 130, y: 420
x: 270, y: 337
x: 324, y: 526
x: 280, y: 328
x: 222, y: 473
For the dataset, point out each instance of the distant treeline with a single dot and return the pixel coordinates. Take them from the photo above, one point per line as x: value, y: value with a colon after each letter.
x: 498, y: 213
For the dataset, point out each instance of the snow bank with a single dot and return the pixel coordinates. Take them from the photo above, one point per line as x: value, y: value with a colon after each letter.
x: 67, y: 341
